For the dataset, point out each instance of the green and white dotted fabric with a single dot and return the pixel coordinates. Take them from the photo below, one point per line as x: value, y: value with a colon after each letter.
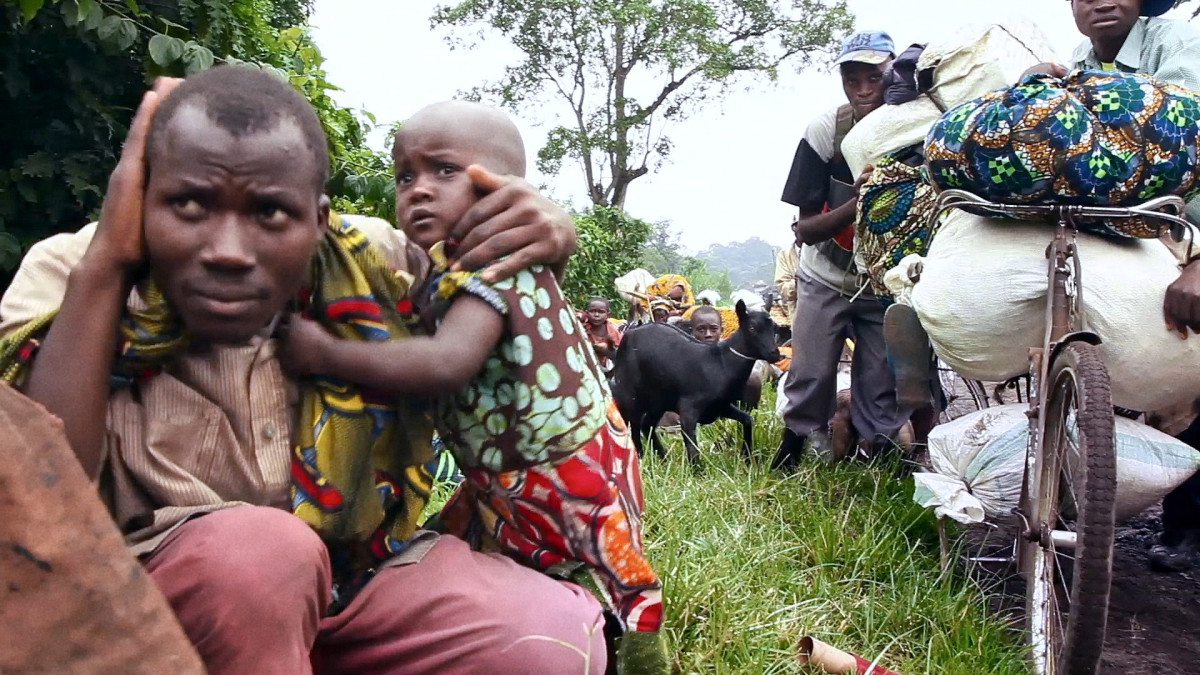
x: 541, y: 394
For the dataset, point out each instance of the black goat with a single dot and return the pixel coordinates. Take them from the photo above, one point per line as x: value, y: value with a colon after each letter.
x: 660, y: 368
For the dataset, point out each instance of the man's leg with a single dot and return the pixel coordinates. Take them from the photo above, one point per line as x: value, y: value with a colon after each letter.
x: 874, y: 410
x: 459, y: 612
x: 249, y: 585
x: 818, y: 336
x: 1179, y: 546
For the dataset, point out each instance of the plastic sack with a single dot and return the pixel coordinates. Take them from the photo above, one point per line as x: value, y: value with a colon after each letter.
x: 982, y: 299
x: 632, y: 285
x: 983, y: 456
x: 898, y: 280
x: 962, y: 66
x: 1097, y: 138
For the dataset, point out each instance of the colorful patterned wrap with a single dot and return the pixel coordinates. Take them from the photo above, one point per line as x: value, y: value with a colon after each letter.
x: 541, y: 395
x: 893, y: 218
x: 1097, y: 138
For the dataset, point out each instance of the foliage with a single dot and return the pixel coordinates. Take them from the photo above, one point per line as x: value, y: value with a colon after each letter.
x: 627, y: 69
x: 609, y: 245
x: 663, y: 254
x: 752, y: 560
x: 74, y: 71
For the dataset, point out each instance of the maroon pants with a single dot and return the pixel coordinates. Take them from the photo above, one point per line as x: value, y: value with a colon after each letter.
x: 249, y: 585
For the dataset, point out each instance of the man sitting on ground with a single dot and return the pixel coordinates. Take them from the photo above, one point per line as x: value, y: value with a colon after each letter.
x: 266, y: 510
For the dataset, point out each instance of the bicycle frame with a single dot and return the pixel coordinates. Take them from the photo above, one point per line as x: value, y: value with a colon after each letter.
x: 1065, y: 323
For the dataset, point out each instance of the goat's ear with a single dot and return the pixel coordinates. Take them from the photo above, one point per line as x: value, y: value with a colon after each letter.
x: 740, y: 308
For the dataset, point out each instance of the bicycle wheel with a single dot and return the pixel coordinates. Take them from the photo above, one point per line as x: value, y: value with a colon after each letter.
x: 1069, y: 500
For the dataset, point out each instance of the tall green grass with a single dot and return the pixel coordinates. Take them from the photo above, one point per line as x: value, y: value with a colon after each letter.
x: 751, y: 560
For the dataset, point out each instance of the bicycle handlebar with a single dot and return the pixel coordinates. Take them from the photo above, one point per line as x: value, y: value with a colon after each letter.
x: 1168, y: 208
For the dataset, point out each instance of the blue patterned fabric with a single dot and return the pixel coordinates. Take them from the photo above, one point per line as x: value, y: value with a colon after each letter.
x: 1098, y: 138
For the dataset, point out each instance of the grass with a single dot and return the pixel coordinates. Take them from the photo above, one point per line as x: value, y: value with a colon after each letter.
x: 752, y: 560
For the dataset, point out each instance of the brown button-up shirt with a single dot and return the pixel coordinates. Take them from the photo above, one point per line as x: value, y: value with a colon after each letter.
x: 214, y: 430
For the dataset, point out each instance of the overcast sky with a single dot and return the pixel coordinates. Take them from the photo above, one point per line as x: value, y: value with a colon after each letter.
x: 723, y: 179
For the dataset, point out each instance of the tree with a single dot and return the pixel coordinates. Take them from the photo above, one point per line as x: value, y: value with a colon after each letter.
x: 628, y: 69
x: 74, y: 70
x: 610, y: 244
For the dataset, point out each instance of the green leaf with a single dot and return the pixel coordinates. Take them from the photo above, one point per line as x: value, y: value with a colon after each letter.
x: 10, y: 251
x: 37, y: 165
x: 70, y: 12
x: 126, y: 34
x: 90, y: 14
x: 196, y: 58
x: 132, y: 4
x: 117, y: 32
x: 29, y: 8
x: 165, y: 50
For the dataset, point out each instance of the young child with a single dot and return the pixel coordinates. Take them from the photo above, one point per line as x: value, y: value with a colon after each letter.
x: 602, y: 333
x: 552, y: 475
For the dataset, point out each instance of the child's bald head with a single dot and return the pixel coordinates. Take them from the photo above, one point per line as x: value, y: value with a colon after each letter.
x: 433, y: 150
x: 483, y: 131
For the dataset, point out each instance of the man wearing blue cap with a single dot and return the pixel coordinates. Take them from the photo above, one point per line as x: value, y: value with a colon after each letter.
x: 832, y: 300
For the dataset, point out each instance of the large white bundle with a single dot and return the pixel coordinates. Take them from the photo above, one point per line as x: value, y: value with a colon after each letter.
x: 633, y: 284
x: 982, y: 299
x: 978, y: 462
x: 967, y: 64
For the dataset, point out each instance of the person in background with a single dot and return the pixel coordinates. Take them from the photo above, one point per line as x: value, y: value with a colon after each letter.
x: 602, y: 331
x: 833, y: 300
x: 787, y: 263
x: 706, y: 324
x: 660, y: 310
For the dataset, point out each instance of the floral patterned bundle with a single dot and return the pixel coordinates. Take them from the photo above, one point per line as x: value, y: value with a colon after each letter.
x: 894, y: 219
x: 1097, y: 138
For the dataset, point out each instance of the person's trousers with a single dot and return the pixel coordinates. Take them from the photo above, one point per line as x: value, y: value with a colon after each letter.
x: 823, y: 319
x: 250, y: 584
x: 1181, y: 507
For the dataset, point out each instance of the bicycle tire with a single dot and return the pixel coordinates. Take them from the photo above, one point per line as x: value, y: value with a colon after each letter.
x: 1086, y: 465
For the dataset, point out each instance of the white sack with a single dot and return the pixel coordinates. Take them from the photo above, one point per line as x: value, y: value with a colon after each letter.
x: 898, y: 280
x: 949, y: 498
x: 984, y: 452
x: 982, y: 294
x: 969, y: 63
x: 635, y: 281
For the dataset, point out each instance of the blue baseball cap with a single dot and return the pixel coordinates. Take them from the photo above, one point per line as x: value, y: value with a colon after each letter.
x: 872, y: 47
x: 1156, y: 7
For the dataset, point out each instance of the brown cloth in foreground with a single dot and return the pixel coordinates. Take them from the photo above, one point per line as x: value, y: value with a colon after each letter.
x: 72, y: 599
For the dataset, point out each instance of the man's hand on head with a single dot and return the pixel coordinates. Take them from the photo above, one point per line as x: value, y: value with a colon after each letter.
x: 119, y: 243
x: 511, y: 219
x: 1181, y: 308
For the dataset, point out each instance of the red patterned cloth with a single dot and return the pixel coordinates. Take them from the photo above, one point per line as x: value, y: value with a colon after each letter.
x: 587, y: 507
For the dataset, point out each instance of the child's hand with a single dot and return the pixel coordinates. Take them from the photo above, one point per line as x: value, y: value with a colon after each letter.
x: 304, y: 346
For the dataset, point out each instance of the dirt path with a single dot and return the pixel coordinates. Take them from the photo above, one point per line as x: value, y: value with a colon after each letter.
x: 1153, y: 618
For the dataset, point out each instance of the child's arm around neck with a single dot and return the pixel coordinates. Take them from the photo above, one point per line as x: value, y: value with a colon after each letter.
x: 437, y: 364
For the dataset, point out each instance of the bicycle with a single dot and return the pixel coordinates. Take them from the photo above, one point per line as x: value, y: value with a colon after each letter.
x: 1066, y: 512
